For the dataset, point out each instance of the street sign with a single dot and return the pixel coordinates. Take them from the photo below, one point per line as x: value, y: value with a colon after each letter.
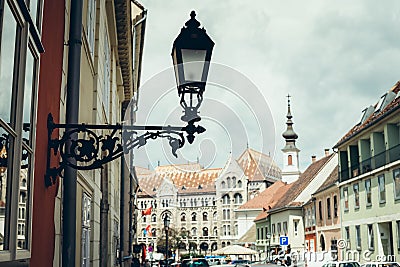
x: 283, y: 241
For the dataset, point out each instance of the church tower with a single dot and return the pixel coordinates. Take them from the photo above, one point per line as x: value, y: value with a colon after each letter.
x: 290, y: 171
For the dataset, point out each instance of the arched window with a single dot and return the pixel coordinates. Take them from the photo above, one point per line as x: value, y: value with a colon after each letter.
x: 233, y: 181
x: 23, y: 183
x: 239, y: 184
x: 226, y: 199
x: 205, y: 216
x: 153, y: 232
x: 194, y: 216
x: 223, y: 185
x: 195, y: 202
x: 223, y: 244
x: 194, y: 231
x: 228, y: 182
x: 154, y: 218
x: 290, y: 160
x: 215, y: 215
x: 205, y: 231
x: 144, y: 218
x: 215, y: 231
x: 238, y: 198
x: 228, y: 243
x: 183, y: 217
x: 224, y: 230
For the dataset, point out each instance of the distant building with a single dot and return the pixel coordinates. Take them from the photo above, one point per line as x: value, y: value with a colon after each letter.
x: 369, y: 179
x: 286, y: 216
x: 290, y: 170
x: 202, y: 202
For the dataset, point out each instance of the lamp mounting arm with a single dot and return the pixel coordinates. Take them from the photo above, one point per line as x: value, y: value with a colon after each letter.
x: 84, y: 147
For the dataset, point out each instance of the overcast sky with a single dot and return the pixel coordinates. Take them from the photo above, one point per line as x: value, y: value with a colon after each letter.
x: 335, y: 58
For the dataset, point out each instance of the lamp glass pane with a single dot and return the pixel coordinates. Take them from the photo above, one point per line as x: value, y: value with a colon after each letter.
x: 196, y: 59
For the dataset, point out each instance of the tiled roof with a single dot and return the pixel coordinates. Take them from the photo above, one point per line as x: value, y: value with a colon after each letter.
x: 191, y: 178
x: 265, y: 198
x: 188, y: 178
x: 330, y: 180
x: 374, y: 117
x: 301, y: 183
x: 258, y: 166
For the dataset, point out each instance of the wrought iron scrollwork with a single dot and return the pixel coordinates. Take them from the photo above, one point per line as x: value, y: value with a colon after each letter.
x: 82, y: 148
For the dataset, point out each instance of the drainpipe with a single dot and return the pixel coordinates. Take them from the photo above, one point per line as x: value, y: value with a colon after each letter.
x: 104, y: 209
x: 72, y: 116
x: 122, y: 202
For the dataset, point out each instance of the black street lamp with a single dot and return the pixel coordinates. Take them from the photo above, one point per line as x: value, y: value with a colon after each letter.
x: 82, y: 148
x: 191, y: 55
x: 166, y: 228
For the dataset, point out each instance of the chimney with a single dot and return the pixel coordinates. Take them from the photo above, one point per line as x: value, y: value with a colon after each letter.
x: 326, y: 152
x: 313, y: 159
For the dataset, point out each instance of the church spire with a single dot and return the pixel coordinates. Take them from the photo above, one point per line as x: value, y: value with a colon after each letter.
x: 289, y: 135
x: 290, y: 170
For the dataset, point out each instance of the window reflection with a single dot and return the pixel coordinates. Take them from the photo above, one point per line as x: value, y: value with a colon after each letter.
x: 8, y: 40
x: 4, y: 148
x: 29, y: 83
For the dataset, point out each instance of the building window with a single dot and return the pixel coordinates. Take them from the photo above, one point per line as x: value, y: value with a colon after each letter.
x: 215, y: 216
x: 153, y: 232
x: 328, y: 207
x: 223, y: 185
x: 290, y: 160
x: 224, y: 230
x: 396, y: 182
x: 106, y: 84
x: 144, y: 218
x: 183, y: 217
x: 194, y: 231
x: 273, y: 229
x: 258, y: 234
x: 205, y: 216
x: 238, y: 198
x: 347, y: 235
x: 295, y: 226
x: 284, y: 225
x: 335, y: 207
x: 346, y: 198
x: 205, y: 231
x: 194, y: 216
x: 239, y: 184
x: 86, y: 217
x: 370, y: 237
x: 90, y: 25
x: 320, y: 210
x: 398, y: 235
x: 226, y: 199
x: 382, y: 189
x: 228, y: 182
x: 358, y: 237
x: 215, y: 231
x: 18, y: 78
x: 356, y: 196
x: 368, y: 192
x: 279, y: 229
x: 233, y: 181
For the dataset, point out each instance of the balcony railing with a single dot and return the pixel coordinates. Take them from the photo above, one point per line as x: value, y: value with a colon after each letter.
x: 370, y: 164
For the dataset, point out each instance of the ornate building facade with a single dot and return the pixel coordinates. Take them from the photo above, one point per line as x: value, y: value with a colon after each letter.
x: 201, y: 203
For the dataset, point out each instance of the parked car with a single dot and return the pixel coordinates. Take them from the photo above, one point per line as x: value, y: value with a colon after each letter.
x: 341, y: 264
x: 235, y: 262
x: 381, y: 264
x: 195, y: 262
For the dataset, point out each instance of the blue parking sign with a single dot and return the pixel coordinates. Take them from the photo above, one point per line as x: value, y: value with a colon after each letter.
x: 283, y: 241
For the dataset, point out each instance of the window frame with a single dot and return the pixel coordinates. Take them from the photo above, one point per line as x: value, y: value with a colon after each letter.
x: 396, y: 171
x: 356, y: 193
x: 368, y: 192
x: 346, y: 198
x: 382, y: 188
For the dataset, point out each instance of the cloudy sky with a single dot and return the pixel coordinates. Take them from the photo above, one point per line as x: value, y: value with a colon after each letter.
x: 335, y: 58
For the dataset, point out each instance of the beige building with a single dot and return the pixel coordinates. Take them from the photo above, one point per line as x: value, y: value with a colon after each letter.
x: 112, y: 45
x: 203, y: 202
x: 326, y: 201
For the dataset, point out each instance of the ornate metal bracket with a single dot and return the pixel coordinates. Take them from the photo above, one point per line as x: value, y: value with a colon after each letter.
x: 82, y: 147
